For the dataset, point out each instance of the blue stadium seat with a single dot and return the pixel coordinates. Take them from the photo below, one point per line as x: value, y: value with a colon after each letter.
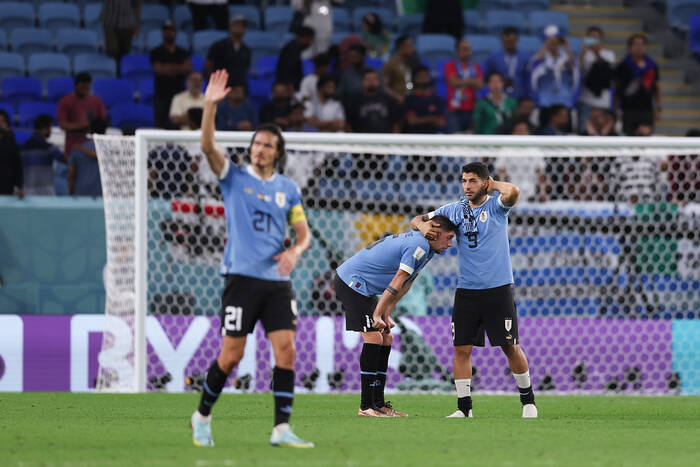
x: 11, y: 64
x: 530, y: 43
x: 16, y: 15
x: 488, y: 5
x: 373, y: 62
x: 153, y: 16
x: 132, y: 115
x: 265, y: 67
x: 99, y: 66
x: 27, y: 41
x: 678, y: 12
x: 386, y: 15
x: 197, y: 63
x: 113, y: 91
x: 155, y: 39
x: 10, y: 112
x: 341, y: 20
x: 91, y: 15
x: 21, y: 88
x: 473, y: 22
x: 435, y: 47
x: 48, y: 65
x: 55, y: 16
x: 497, y: 20
x: 337, y: 37
x: 76, y: 41
x: 21, y: 136
x: 3, y: 40
x: 28, y: 111
x: 483, y: 46
x: 202, y: 40
x: 541, y: 19
x: 251, y: 13
x: 136, y: 67
x: 528, y: 6
x: 411, y: 25
x: 56, y: 88
x: 146, y: 91
x: 183, y: 18
x: 576, y: 44
x: 263, y: 43
x: 694, y: 34
x: 278, y: 18
x: 259, y: 91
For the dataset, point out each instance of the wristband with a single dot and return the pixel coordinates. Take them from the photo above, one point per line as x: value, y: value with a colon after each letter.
x: 391, y: 290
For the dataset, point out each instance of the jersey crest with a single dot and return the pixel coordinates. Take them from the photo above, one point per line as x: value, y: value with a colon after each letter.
x: 484, y: 216
x: 419, y: 253
x: 280, y: 199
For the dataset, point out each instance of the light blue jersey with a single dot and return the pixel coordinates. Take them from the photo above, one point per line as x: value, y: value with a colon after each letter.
x: 484, y: 251
x: 370, y: 270
x: 257, y: 214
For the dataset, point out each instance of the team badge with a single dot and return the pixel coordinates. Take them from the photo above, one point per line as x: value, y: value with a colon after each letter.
x: 280, y: 199
x: 484, y: 216
x: 509, y: 324
x: 419, y: 253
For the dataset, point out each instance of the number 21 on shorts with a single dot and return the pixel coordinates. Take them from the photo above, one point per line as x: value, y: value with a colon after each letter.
x: 233, y: 321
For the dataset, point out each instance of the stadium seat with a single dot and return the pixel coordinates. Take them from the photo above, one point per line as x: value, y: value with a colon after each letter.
x: 113, y: 91
x: 576, y: 43
x: 21, y: 136
x: 11, y: 64
x: 473, y: 22
x: 528, y: 6
x: 278, y: 18
x: 197, y: 63
x: 48, y: 65
x: 337, y: 37
x: 202, y: 40
x: 136, y: 67
x: 132, y: 115
x: 435, y: 47
x: 153, y: 16
x: 3, y: 40
x: 10, y: 111
x: 678, y: 12
x: 411, y: 25
x: 263, y: 43
x: 55, y: 16
x: 56, y: 88
x: 99, y: 66
x: 373, y: 62
x: 27, y: 41
x: 386, y: 15
x: 341, y: 20
x: 21, y: 88
x: 251, y: 13
x: 488, y: 5
x: 146, y: 91
x: 28, y: 111
x: 16, y: 15
x: 76, y: 41
x: 155, y: 38
x: 530, y: 43
x: 183, y: 18
x: 259, y: 91
x: 91, y: 16
x: 498, y: 20
x: 482, y: 46
x: 265, y: 67
x: 694, y: 34
x: 541, y: 19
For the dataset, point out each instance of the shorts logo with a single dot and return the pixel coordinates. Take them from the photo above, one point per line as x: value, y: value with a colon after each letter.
x: 294, y: 307
x: 280, y: 199
x: 419, y: 253
x: 484, y: 216
x: 509, y: 324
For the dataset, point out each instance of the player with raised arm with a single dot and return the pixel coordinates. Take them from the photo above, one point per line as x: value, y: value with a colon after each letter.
x: 388, y: 268
x: 259, y: 204
x: 484, y: 296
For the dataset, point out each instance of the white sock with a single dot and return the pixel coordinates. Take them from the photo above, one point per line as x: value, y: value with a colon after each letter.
x: 522, y: 380
x: 281, y: 428
x: 202, y: 418
x: 464, y: 387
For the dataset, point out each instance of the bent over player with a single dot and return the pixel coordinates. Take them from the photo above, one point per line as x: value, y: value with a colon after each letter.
x: 259, y: 203
x: 387, y: 268
x: 484, y: 296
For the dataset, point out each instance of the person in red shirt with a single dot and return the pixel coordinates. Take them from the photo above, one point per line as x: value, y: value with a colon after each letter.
x: 76, y: 109
x: 463, y: 80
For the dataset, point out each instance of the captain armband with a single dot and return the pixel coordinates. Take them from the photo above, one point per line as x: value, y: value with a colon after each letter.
x: 391, y: 290
x: 296, y: 214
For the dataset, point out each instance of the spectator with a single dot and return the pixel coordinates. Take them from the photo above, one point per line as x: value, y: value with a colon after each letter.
x: 525, y: 110
x: 351, y: 77
x: 289, y: 66
x: 83, y: 169
x: 316, y: 15
x: 557, y: 121
x: 641, y: 179
x: 307, y: 89
x: 373, y: 111
x: 397, y: 71
x: 77, y: 109
x: 554, y: 71
x: 343, y: 53
x: 194, y: 117
x: 277, y: 111
x: 527, y: 173
x: 11, y: 174
x: 375, y: 36
x: 38, y: 156
x: 463, y: 80
x: 601, y: 122
x: 171, y: 64
x: 185, y: 100
x: 443, y: 17
x: 644, y: 129
x: 120, y: 20
x: 496, y: 108
x: 297, y: 122
x: 202, y: 10
x: 230, y: 54
x: 236, y: 112
x: 512, y: 64
x: 326, y: 113
x: 423, y: 109
x: 597, y: 72
x: 521, y: 126
x: 637, y: 90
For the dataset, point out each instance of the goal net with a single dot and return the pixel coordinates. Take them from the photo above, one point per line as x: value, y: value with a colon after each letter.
x: 604, y: 246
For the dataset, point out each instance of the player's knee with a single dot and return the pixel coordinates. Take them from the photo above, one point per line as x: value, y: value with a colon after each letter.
x: 285, y: 353
x: 510, y: 350
x: 387, y: 339
x: 372, y: 338
x: 463, y: 352
x: 228, y: 360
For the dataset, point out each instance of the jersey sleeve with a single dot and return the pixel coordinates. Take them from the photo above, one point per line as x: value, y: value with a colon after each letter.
x: 227, y: 175
x: 452, y: 211
x: 500, y: 207
x: 413, y: 253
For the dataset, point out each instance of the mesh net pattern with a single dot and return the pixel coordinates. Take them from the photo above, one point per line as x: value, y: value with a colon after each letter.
x: 604, y: 245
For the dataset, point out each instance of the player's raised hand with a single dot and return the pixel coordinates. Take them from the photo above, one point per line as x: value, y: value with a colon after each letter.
x: 429, y: 229
x: 217, y: 89
x: 286, y: 261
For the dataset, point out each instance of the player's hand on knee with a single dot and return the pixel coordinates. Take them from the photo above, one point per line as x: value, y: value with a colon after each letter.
x: 378, y: 323
x: 389, y: 324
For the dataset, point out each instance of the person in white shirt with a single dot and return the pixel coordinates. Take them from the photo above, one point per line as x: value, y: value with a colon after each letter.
x: 185, y: 100
x: 326, y: 113
x: 597, y: 75
x: 307, y: 89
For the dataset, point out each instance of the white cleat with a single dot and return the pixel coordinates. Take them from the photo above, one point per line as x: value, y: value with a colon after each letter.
x: 529, y: 411
x: 459, y: 414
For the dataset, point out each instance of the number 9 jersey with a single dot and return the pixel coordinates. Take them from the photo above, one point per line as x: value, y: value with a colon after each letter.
x: 257, y: 214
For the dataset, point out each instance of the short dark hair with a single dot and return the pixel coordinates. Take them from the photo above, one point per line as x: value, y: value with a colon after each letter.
x: 82, y: 77
x: 296, y: 106
x: 507, y: 31
x: 635, y: 36
x: 520, y: 121
x: 43, y: 121
x: 597, y: 29
x: 693, y: 132
x: 446, y: 225
x: 322, y: 59
x: 324, y: 79
x: 369, y: 70
x: 419, y: 69
x: 555, y: 109
x: 400, y: 41
x: 478, y: 168
x: 3, y: 113
x: 99, y: 125
x: 306, y: 31
x: 358, y: 48
x: 194, y: 114
x: 525, y: 99
x: 494, y: 73
x: 273, y: 128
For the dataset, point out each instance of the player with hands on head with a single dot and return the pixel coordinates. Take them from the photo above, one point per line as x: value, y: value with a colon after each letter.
x: 259, y: 203
x: 386, y: 268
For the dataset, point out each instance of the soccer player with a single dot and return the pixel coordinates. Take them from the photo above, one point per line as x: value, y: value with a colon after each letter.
x: 484, y: 296
x: 259, y: 204
x: 387, y: 268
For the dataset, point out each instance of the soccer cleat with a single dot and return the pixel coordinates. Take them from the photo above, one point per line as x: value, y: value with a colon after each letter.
x: 201, y: 432
x: 285, y: 437
x: 529, y: 411
x: 389, y: 410
x: 459, y: 414
x: 373, y: 412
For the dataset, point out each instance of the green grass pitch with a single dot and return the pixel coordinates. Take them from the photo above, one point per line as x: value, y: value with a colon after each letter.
x: 153, y: 429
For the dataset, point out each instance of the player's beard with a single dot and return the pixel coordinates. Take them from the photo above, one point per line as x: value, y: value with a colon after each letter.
x: 480, y: 196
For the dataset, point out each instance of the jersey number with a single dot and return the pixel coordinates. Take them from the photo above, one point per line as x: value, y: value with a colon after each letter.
x: 472, y: 239
x: 233, y: 321
x: 261, y: 221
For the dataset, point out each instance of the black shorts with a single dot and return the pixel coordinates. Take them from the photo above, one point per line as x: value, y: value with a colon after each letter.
x: 490, y: 310
x: 358, y: 308
x: 247, y: 300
